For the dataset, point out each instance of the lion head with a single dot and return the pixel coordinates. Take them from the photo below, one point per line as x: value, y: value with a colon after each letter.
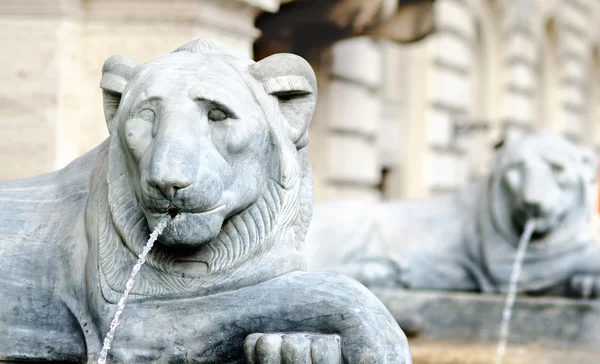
x: 217, y: 141
x: 544, y: 177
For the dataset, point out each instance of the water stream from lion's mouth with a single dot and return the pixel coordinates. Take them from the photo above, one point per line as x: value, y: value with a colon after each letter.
x: 512, y: 289
x: 129, y: 285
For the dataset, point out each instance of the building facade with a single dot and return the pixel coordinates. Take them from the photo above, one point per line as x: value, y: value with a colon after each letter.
x: 393, y: 121
x: 411, y: 121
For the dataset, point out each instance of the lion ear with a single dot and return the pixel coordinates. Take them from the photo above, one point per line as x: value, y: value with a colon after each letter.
x: 292, y: 80
x: 590, y: 164
x: 117, y: 71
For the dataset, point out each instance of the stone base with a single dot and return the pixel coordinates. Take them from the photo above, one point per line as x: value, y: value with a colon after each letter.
x: 556, y: 323
x: 453, y: 352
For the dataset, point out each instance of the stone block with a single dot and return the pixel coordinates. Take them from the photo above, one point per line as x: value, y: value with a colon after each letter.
x: 521, y: 46
x: 574, y: 95
x: 357, y: 59
x: 575, y: 44
x: 522, y: 76
x: 572, y: 15
x: 455, y: 16
x: 451, y: 49
x: 353, y: 107
x: 520, y: 107
x: 390, y: 136
x: 547, y: 322
x: 439, y: 127
x: 395, y: 69
x: 574, y: 69
x: 514, y: 130
x: 444, y: 169
x: 450, y: 88
x: 571, y: 123
x: 353, y: 159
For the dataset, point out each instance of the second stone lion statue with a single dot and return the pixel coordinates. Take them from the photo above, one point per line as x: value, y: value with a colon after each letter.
x: 219, y: 141
x: 468, y: 241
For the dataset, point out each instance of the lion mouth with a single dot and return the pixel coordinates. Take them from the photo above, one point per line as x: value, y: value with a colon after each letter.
x: 174, y: 211
x: 544, y: 225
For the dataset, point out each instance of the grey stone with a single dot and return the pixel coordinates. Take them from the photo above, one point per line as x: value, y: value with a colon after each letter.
x: 219, y: 142
x: 467, y: 241
x: 550, y: 322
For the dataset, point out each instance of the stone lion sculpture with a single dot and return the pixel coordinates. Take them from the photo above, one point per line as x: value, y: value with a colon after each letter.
x: 467, y: 241
x: 219, y: 142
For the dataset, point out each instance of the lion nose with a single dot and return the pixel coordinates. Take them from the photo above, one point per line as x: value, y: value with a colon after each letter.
x: 169, y: 187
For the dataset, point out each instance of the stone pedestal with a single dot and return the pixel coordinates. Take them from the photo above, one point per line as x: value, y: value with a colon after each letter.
x: 472, y: 321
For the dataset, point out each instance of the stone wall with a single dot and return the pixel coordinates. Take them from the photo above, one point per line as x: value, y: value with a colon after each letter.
x: 343, y: 149
x: 493, y: 70
x: 53, y: 51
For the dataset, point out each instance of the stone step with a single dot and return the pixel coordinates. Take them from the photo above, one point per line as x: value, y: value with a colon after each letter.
x: 556, y: 323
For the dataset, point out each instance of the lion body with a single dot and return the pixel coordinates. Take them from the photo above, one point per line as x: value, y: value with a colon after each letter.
x: 41, y: 234
x: 54, y: 308
x: 463, y: 241
x: 69, y: 239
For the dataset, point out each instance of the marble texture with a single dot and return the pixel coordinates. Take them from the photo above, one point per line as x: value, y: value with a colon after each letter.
x: 467, y: 241
x: 219, y: 142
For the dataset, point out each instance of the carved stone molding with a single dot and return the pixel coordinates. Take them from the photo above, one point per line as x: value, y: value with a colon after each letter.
x: 230, y: 16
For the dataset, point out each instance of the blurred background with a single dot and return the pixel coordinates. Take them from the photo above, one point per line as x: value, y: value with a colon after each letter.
x: 414, y: 94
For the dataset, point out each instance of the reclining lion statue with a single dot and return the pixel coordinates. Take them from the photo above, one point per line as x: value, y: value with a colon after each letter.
x: 467, y: 241
x: 219, y: 142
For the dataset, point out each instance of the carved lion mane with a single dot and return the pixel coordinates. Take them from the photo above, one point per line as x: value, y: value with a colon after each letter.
x: 250, y: 241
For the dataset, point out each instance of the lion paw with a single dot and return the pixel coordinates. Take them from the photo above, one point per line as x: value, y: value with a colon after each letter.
x: 296, y: 348
x: 585, y: 286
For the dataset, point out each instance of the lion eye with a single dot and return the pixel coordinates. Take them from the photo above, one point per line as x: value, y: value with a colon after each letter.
x: 556, y: 168
x: 217, y: 115
x: 147, y: 115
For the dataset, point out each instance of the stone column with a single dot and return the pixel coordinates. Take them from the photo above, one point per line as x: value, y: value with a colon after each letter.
x: 392, y: 138
x: 447, y: 98
x: 343, y: 149
x: 574, y: 54
x: 521, y: 90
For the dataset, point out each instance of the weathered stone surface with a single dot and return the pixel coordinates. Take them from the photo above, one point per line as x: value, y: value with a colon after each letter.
x: 467, y: 241
x: 557, y: 323
x: 218, y: 142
